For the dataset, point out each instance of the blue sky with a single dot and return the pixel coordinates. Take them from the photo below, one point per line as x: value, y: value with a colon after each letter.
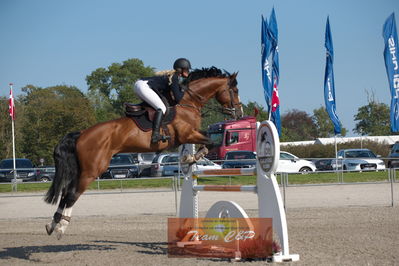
x: 50, y: 42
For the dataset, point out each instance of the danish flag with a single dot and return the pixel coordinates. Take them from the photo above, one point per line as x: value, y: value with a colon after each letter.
x: 11, y: 105
x: 275, y: 98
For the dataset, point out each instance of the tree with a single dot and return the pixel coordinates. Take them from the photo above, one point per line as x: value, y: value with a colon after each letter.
x: 252, y: 108
x: 373, y: 119
x: 115, y: 84
x: 49, y: 114
x: 104, y: 111
x: 211, y: 113
x: 297, y: 126
x: 324, y: 126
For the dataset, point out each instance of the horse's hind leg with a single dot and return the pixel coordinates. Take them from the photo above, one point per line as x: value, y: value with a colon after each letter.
x: 62, y: 216
x: 57, y: 217
x: 63, y: 222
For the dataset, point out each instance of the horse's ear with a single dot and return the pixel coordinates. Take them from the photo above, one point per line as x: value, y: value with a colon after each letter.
x: 234, y: 75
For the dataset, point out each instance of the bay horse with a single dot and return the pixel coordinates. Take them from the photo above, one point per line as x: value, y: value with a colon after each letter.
x: 81, y: 157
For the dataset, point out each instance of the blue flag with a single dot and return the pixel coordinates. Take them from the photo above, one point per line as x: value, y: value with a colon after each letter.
x: 266, y: 66
x: 392, y: 65
x: 329, y: 87
x: 275, y: 101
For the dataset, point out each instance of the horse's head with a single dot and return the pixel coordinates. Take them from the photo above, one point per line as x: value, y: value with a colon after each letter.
x: 228, y: 97
x: 212, y: 82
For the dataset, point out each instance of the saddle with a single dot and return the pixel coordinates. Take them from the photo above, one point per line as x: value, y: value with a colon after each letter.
x: 143, y: 115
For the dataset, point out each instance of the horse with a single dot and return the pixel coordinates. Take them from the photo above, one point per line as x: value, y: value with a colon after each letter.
x: 80, y: 157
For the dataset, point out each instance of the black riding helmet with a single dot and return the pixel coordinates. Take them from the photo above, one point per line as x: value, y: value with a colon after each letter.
x: 181, y: 63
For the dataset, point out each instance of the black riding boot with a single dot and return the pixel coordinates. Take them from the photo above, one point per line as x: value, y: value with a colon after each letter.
x: 156, y: 136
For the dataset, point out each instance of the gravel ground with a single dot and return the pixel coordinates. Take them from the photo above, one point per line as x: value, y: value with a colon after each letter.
x: 328, y: 225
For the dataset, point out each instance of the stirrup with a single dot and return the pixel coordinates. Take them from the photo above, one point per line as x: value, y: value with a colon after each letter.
x: 162, y: 138
x: 165, y: 138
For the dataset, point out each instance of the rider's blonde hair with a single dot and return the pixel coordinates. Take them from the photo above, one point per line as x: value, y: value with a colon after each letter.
x: 168, y: 73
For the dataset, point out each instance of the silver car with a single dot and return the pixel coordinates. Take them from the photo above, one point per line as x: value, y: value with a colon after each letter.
x: 360, y: 159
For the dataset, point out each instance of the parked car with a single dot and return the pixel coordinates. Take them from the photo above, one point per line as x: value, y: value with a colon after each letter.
x: 122, y: 165
x: 289, y: 163
x: 46, y: 174
x: 393, y: 157
x: 360, y: 159
x: 202, y: 164
x: 239, y: 159
x: 171, y: 165
x: 144, y: 161
x: 205, y: 164
x: 158, y: 163
x: 24, y: 167
x: 328, y: 164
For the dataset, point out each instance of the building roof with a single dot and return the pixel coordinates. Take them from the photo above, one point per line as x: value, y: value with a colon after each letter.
x: 389, y: 140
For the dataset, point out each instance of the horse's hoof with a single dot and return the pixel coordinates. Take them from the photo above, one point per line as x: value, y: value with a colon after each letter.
x: 187, y: 159
x: 49, y: 228
x: 59, y: 235
x: 59, y: 232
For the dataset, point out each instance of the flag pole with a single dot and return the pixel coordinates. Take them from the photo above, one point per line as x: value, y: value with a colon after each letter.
x: 14, y: 185
x: 336, y: 157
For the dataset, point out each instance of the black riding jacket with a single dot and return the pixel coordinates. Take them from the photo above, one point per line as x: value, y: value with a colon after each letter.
x: 160, y: 84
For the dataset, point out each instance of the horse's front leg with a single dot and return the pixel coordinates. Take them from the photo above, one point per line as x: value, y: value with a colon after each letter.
x: 205, y: 142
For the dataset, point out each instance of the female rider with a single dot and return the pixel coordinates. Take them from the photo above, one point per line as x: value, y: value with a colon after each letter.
x: 149, y: 89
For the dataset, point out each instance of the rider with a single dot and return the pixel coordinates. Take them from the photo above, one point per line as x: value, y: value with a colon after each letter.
x: 149, y: 89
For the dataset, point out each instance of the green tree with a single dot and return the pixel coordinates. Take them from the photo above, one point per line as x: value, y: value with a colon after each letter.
x: 104, y: 111
x: 250, y: 107
x: 212, y: 113
x: 324, y: 126
x: 297, y: 126
x: 49, y: 114
x: 373, y: 119
x: 115, y: 84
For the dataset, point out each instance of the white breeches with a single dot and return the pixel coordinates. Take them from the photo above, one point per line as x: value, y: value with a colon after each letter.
x: 145, y: 93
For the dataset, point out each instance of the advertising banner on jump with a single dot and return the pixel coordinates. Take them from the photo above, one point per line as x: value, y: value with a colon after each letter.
x: 235, y: 238
x: 329, y: 87
x: 392, y: 66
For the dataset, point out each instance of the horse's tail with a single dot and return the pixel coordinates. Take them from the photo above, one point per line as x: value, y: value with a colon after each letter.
x: 67, y: 170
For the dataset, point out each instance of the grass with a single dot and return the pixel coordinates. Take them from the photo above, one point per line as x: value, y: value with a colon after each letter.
x: 297, y: 179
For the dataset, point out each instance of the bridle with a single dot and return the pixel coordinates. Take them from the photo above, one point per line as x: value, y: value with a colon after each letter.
x: 232, y: 110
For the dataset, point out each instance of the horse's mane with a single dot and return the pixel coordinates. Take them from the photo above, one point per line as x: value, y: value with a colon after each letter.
x: 211, y: 72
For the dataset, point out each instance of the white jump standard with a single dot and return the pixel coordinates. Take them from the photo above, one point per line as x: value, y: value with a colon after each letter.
x: 269, y: 198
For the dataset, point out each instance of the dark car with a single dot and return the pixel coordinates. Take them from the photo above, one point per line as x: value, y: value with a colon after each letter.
x: 393, y: 157
x: 46, y: 174
x: 144, y: 161
x: 25, y: 170
x: 121, y: 166
x: 328, y: 164
x: 239, y: 159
